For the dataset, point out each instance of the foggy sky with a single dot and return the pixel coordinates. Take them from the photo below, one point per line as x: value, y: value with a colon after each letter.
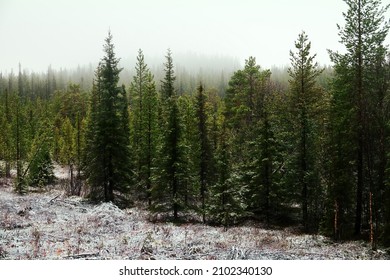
x: 68, y: 33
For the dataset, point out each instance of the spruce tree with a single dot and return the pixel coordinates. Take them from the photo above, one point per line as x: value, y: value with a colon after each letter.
x: 170, y: 192
x: 248, y: 115
x: 205, y: 149
x: 144, y: 105
x: 189, y: 148
x: 226, y: 200
x: 41, y: 166
x: 137, y: 92
x: 108, y: 153
x: 263, y: 152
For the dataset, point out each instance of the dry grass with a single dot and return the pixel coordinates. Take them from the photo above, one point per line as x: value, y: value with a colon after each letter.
x: 52, y: 226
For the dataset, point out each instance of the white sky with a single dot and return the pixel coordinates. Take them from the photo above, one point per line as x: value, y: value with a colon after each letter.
x: 67, y: 33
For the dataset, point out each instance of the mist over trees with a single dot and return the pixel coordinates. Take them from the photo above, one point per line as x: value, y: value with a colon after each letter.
x: 208, y: 138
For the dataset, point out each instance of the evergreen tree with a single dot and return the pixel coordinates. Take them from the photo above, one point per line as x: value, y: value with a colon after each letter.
x: 5, y: 136
x: 305, y: 98
x: 189, y: 148
x: 383, y: 190
x: 68, y: 152
x: 68, y: 109
x: 263, y: 154
x: 168, y: 84
x: 20, y: 183
x: 248, y: 115
x: 171, y: 190
x: 137, y: 92
x: 108, y: 154
x: 41, y: 166
x: 226, y: 200
x: 144, y: 104
x: 363, y: 36
x: 205, y: 149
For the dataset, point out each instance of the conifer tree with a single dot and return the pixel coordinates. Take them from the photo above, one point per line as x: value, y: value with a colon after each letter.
x: 68, y: 152
x: 263, y: 154
x: 170, y: 192
x: 151, y: 134
x: 137, y: 92
x: 6, y: 135
x: 41, y: 166
x: 108, y: 154
x: 226, y: 200
x: 363, y: 35
x: 189, y: 148
x: 248, y: 116
x: 144, y: 105
x: 168, y: 84
x: 305, y: 98
x: 20, y: 184
x: 205, y: 149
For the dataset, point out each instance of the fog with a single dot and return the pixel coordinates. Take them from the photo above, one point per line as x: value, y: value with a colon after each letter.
x: 68, y: 33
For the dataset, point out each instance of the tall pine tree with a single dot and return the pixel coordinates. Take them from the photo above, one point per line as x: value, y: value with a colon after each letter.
x: 363, y: 36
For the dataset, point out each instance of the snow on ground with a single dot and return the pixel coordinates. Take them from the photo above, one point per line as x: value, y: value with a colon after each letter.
x: 49, y: 225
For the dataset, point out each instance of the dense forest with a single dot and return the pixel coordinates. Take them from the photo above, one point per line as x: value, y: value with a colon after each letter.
x: 308, y: 145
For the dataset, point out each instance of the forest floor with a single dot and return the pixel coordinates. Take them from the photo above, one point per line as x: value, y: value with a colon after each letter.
x: 51, y: 225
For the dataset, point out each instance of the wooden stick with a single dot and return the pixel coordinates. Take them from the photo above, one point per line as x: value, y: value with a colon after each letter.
x: 79, y: 256
x: 54, y: 198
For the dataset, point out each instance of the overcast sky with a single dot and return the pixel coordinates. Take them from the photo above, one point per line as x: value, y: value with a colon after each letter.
x: 67, y: 33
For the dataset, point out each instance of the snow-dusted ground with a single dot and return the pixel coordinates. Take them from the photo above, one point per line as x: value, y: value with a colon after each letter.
x: 49, y: 225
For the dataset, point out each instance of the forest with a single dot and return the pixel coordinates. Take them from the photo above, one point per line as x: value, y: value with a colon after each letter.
x: 306, y: 146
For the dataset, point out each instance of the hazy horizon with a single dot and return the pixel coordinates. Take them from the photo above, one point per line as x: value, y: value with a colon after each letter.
x: 70, y: 33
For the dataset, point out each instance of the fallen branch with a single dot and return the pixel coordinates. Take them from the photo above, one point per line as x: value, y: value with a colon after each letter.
x: 54, y: 198
x: 80, y: 256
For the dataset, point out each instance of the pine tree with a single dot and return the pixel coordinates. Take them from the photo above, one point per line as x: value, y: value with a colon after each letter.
x: 305, y: 97
x: 340, y: 156
x: 363, y: 35
x: 108, y: 154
